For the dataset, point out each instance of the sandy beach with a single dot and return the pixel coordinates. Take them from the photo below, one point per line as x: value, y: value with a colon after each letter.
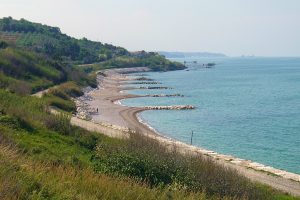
x: 106, y: 98
x: 102, y: 106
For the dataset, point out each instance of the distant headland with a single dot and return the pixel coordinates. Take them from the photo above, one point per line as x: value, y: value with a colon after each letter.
x: 190, y: 54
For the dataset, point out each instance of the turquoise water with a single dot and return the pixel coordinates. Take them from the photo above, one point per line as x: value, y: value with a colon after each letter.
x: 246, y: 107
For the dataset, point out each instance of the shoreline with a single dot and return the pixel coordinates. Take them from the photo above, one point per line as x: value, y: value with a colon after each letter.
x: 144, y: 122
x: 107, y: 99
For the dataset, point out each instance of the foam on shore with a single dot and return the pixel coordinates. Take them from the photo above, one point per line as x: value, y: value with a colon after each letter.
x: 118, y: 102
x: 144, y: 122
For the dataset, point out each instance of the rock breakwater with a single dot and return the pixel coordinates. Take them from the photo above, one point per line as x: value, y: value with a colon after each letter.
x: 175, y: 107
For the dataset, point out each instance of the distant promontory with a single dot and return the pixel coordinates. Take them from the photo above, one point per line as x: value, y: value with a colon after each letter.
x: 189, y: 54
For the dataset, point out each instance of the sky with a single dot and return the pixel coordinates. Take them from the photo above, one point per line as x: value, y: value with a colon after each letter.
x: 232, y: 27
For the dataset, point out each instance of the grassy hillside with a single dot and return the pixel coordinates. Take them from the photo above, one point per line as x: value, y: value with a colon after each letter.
x: 50, y: 41
x: 25, y: 72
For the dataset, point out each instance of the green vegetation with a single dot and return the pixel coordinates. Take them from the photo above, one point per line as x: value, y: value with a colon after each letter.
x: 25, y: 72
x: 50, y: 41
x: 60, y: 96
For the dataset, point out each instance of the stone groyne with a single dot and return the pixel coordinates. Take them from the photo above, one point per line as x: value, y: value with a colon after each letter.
x: 155, y: 88
x: 140, y: 75
x: 164, y: 95
x: 146, y: 83
x: 175, y: 107
x: 143, y: 79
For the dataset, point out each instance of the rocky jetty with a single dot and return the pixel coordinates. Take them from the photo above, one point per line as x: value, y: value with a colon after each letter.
x: 137, y: 74
x: 164, y: 95
x: 145, y: 83
x: 143, y: 79
x: 155, y: 88
x: 175, y: 107
x: 101, y: 74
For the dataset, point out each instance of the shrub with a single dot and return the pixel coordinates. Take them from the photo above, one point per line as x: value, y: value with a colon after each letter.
x: 59, y: 123
x: 3, y: 45
x: 9, y: 121
x: 66, y: 105
x: 16, y: 123
x: 59, y: 93
x: 20, y: 87
x: 85, y: 139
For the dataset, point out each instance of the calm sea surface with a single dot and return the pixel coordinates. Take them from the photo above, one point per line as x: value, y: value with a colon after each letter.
x: 246, y: 107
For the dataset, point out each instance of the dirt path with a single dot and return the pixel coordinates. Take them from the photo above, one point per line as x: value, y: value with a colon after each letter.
x: 41, y: 93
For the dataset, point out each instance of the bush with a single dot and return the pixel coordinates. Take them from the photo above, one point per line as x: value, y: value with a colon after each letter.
x: 59, y: 123
x: 10, y: 122
x: 20, y: 87
x: 60, y: 96
x: 85, y: 139
x: 15, y: 123
x: 65, y: 105
x: 3, y: 45
x: 66, y: 90
x: 59, y: 93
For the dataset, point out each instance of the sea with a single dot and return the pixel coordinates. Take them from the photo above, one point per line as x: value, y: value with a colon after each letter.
x: 248, y: 107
